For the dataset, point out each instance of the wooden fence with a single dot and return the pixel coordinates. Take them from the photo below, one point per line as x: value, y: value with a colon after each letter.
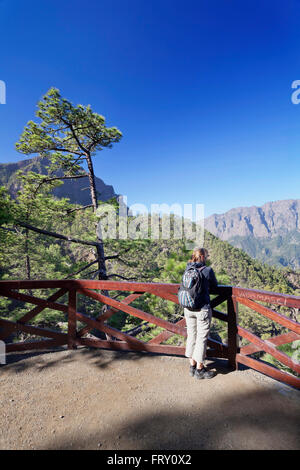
x: 120, y: 340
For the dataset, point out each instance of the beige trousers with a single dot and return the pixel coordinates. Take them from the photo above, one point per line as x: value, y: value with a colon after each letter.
x: 198, y: 326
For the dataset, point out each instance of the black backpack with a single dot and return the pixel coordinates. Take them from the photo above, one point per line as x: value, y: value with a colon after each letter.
x: 191, y: 288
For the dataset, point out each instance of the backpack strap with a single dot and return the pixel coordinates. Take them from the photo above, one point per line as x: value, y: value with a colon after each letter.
x: 200, y: 269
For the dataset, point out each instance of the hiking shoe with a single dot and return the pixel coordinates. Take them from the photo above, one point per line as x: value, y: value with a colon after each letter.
x: 192, y: 370
x: 204, y: 373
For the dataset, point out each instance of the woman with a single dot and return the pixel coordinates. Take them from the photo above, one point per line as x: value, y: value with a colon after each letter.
x: 198, y: 323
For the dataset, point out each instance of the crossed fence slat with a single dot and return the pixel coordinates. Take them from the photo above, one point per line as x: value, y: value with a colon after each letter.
x: 250, y: 298
x: 131, y: 340
x: 33, y: 300
x: 268, y: 347
x: 276, y: 340
x: 33, y: 330
x: 267, y: 312
x: 134, y: 311
x: 105, y: 316
x: 268, y: 370
x: 31, y: 314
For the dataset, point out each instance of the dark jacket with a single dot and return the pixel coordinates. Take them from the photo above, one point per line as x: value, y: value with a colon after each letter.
x: 209, y: 280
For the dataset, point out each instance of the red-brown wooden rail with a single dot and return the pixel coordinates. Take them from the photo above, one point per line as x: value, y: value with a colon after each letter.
x: 124, y: 341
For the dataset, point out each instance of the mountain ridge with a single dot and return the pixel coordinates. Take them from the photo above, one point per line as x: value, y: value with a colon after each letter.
x: 269, y: 220
x: 269, y: 233
x: 76, y: 190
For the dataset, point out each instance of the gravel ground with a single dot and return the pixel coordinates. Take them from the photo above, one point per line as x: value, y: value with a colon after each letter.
x: 96, y: 399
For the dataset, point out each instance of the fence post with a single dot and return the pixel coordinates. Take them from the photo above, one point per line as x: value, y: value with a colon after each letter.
x: 72, y: 319
x: 232, y: 333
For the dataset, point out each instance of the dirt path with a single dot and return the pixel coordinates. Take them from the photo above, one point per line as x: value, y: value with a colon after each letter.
x: 95, y: 399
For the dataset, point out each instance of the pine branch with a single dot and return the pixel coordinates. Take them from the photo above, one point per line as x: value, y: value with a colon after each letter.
x: 118, y: 254
x: 122, y: 277
x: 9, y: 229
x: 58, y: 149
x: 82, y: 269
x: 47, y: 180
x: 75, y: 136
x: 111, y: 275
x: 69, y: 211
x: 138, y: 329
x: 56, y: 235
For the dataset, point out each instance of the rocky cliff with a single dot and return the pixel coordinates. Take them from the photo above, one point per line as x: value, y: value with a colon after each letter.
x: 76, y: 190
x: 268, y: 221
x: 270, y: 233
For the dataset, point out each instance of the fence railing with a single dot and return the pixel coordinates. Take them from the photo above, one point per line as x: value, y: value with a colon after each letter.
x: 120, y: 340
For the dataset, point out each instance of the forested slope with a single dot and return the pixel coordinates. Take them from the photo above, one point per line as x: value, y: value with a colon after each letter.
x: 143, y: 260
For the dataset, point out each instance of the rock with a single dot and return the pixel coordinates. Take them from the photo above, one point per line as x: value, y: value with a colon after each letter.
x: 270, y: 220
x: 75, y: 189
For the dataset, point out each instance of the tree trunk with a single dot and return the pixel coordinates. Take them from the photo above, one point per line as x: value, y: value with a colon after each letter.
x: 92, y: 182
x: 27, y: 259
x: 102, y: 274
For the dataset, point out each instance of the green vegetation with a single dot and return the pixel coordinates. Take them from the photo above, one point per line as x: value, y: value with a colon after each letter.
x: 143, y: 260
x: 281, y: 251
x: 43, y: 237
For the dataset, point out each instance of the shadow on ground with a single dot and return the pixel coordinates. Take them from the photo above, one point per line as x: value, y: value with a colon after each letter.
x: 241, y: 421
x: 20, y: 362
x: 149, y: 405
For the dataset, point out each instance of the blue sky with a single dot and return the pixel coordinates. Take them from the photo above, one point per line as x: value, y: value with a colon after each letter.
x: 201, y: 91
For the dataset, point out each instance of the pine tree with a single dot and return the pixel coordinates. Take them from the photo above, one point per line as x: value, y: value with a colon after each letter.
x: 68, y: 136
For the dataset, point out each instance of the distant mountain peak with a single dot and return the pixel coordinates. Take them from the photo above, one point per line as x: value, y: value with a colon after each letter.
x: 269, y: 220
x: 77, y: 190
x: 270, y: 233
